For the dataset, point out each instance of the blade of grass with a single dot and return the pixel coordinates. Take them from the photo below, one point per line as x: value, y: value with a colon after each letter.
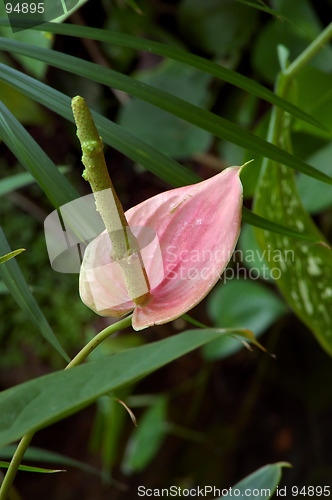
x: 177, y: 54
x: 29, y: 468
x: 115, y: 136
x: 40, y: 455
x: 14, y: 280
x: 220, y: 127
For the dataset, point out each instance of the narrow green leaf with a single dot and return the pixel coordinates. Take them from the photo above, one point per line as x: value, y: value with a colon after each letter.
x: 180, y: 55
x: 156, y: 162
x: 35, y: 160
x: 10, y: 255
x: 45, y: 400
x: 305, y: 269
x: 15, y: 182
x: 263, y: 482
x: 134, y: 6
x: 29, y: 468
x: 39, y: 455
x: 202, y: 118
x: 263, y: 7
x: 270, y: 225
x: 14, y: 280
x: 113, y: 135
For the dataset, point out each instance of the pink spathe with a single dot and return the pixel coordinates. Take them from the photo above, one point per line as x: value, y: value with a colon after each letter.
x: 197, y: 228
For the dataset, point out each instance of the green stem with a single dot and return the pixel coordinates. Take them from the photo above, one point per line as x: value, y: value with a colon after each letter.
x: 309, y: 52
x: 25, y: 441
x: 14, y: 465
x: 285, y: 80
x: 91, y: 346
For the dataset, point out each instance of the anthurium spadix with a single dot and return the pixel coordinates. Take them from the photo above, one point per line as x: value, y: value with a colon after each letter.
x: 194, y: 230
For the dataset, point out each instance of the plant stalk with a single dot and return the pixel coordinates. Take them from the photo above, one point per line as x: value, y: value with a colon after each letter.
x: 78, y: 359
x: 312, y: 49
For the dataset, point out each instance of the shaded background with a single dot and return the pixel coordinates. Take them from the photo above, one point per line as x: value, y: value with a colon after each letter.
x: 215, y: 415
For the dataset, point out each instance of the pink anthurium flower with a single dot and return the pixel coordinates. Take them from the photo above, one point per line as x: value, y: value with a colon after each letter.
x: 197, y: 228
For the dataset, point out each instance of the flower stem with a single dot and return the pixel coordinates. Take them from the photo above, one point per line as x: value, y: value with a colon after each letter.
x: 26, y: 439
x: 14, y: 465
x: 309, y: 52
x: 90, y: 346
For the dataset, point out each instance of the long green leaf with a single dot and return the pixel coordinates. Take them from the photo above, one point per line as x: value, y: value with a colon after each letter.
x: 202, y: 118
x: 14, y: 280
x: 115, y: 136
x: 40, y: 455
x: 177, y: 54
x: 40, y: 402
x: 256, y: 220
x: 29, y: 468
x: 10, y: 255
x: 53, y: 183
x: 18, y: 181
x: 15, y: 182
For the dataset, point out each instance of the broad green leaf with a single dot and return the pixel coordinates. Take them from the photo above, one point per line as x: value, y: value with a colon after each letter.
x: 13, y: 278
x: 202, y: 118
x: 10, y: 255
x: 29, y: 468
x: 305, y: 269
x: 146, y: 440
x: 240, y: 303
x: 210, y: 67
x: 178, y: 138
x: 315, y: 196
x: 159, y: 164
x: 39, y: 455
x: 38, y: 403
x: 262, y: 483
